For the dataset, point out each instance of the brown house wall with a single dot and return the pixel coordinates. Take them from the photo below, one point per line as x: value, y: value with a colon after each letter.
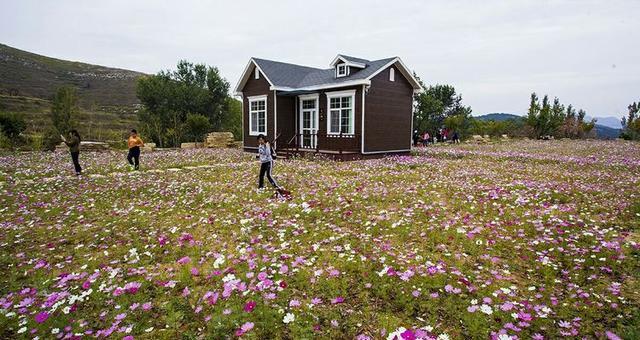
x: 256, y: 87
x: 388, y: 113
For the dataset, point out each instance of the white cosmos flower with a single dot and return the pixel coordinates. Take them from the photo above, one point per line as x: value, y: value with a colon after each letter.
x: 22, y: 330
x: 288, y: 318
x: 486, y: 309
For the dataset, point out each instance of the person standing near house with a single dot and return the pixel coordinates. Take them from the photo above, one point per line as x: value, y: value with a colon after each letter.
x: 135, y: 143
x: 425, y: 138
x: 416, y: 136
x: 74, y: 148
x: 455, y: 138
x: 265, y: 154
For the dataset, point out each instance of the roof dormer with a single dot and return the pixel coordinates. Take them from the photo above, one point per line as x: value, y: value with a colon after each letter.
x: 345, y: 65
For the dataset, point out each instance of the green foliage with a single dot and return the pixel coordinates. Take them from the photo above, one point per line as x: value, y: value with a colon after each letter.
x: 196, y: 126
x: 435, y: 104
x: 50, y: 138
x: 12, y: 124
x: 232, y: 121
x: 64, y: 109
x: 545, y: 119
x: 497, y: 128
x: 631, y: 123
x: 170, y: 96
x: 5, y: 142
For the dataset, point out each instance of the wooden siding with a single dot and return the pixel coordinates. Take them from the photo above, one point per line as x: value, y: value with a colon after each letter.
x: 256, y: 87
x: 286, y: 118
x: 388, y: 113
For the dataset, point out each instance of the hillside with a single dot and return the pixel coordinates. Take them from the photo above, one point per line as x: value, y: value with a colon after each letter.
x: 107, y: 96
x: 31, y: 75
x: 498, y: 116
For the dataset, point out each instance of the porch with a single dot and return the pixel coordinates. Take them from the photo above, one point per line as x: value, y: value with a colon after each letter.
x: 318, y: 122
x: 338, y: 145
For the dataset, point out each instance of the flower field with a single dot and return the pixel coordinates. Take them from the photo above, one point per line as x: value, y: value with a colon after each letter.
x: 520, y: 240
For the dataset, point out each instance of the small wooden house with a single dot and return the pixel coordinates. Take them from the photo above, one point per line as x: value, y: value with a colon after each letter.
x: 355, y: 108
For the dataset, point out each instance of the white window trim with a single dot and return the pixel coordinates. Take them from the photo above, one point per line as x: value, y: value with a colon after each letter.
x: 392, y: 74
x: 257, y: 99
x: 348, y: 93
x: 346, y: 70
x: 256, y: 73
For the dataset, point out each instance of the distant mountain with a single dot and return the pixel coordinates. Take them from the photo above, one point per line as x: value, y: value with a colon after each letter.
x: 498, y: 116
x: 27, y: 74
x: 612, y: 122
x: 605, y: 132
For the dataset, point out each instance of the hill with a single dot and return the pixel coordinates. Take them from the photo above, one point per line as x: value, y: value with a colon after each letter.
x: 498, y: 116
x: 107, y: 96
x: 31, y: 75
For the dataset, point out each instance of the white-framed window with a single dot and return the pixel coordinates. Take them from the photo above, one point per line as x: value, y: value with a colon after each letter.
x: 341, y: 112
x: 258, y: 115
x: 392, y: 74
x: 256, y: 73
x: 342, y: 70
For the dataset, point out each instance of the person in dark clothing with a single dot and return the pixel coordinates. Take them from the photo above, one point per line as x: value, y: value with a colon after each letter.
x: 74, y: 148
x: 134, y: 142
x: 455, y: 138
x: 416, y: 137
x: 265, y: 154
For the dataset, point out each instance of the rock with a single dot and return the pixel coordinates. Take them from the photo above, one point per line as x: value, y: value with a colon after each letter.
x: 86, y: 146
x: 505, y: 137
x: 149, y: 147
x: 219, y: 140
x: 191, y: 145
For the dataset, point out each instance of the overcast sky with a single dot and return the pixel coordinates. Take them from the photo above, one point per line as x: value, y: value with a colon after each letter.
x: 495, y: 53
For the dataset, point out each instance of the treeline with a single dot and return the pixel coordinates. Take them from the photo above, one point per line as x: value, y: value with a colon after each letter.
x: 440, y: 107
x: 631, y: 123
x: 185, y: 104
x: 554, y: 120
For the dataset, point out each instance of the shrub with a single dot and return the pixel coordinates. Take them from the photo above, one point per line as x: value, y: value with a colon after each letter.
x: 12, y: 124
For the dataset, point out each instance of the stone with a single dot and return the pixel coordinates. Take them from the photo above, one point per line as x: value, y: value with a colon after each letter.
x: 219, y: 140
x: 86, y: 146
x: 191, y: 145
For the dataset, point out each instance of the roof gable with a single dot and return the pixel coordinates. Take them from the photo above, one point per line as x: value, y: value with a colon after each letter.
x: 291, y: 77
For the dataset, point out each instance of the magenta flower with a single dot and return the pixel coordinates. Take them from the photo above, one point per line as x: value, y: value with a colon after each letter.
x: 184, y: 260
x: 249, y: 306
x: 42, y: 317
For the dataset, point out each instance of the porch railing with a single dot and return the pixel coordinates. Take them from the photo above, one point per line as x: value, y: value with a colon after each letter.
x: 338, y: 143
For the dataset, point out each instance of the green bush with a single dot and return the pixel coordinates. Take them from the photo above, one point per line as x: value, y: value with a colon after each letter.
x: 12, y: 124
x: 5, y: 142
x: 50, y: 139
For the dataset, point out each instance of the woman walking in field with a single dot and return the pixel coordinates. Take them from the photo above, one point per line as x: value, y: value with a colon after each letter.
x: 74, y: 148
x: 134, y: 142
x: 265, y: 154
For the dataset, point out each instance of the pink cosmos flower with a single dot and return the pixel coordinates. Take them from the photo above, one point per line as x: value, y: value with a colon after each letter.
x: 42, y: 317
x: 249, y: 306
x: 195, y: 271
x: 337, y: 300
x: 184, y: 260
x: 146, y: 306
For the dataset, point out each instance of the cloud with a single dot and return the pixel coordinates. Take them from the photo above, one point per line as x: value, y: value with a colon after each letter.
x: 494, y: 52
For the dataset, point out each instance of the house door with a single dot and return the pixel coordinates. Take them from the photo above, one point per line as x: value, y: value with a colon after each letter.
x: 309, y: 121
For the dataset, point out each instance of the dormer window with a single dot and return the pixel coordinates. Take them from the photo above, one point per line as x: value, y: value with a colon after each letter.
x: 342, y: 70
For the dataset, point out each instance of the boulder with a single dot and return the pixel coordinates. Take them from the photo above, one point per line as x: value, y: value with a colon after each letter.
x: 191, y: 145
x: 149, y: 147
x: 86, y: 146
x: 219, y: 140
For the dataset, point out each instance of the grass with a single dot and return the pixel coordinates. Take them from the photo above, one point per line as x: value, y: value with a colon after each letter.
x: 520, y: 239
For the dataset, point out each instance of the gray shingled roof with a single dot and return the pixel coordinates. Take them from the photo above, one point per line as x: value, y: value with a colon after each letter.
x: 296, y: 76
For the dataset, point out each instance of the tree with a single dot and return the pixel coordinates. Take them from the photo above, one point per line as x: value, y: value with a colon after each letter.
x: 435, y: 104
x: 545, y: 119
x: 169, y: 96
x: 64, y: 109
x: 196, y: 127
x: 232, y: 120
x: 12, y: 124
x: 631, y: 123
